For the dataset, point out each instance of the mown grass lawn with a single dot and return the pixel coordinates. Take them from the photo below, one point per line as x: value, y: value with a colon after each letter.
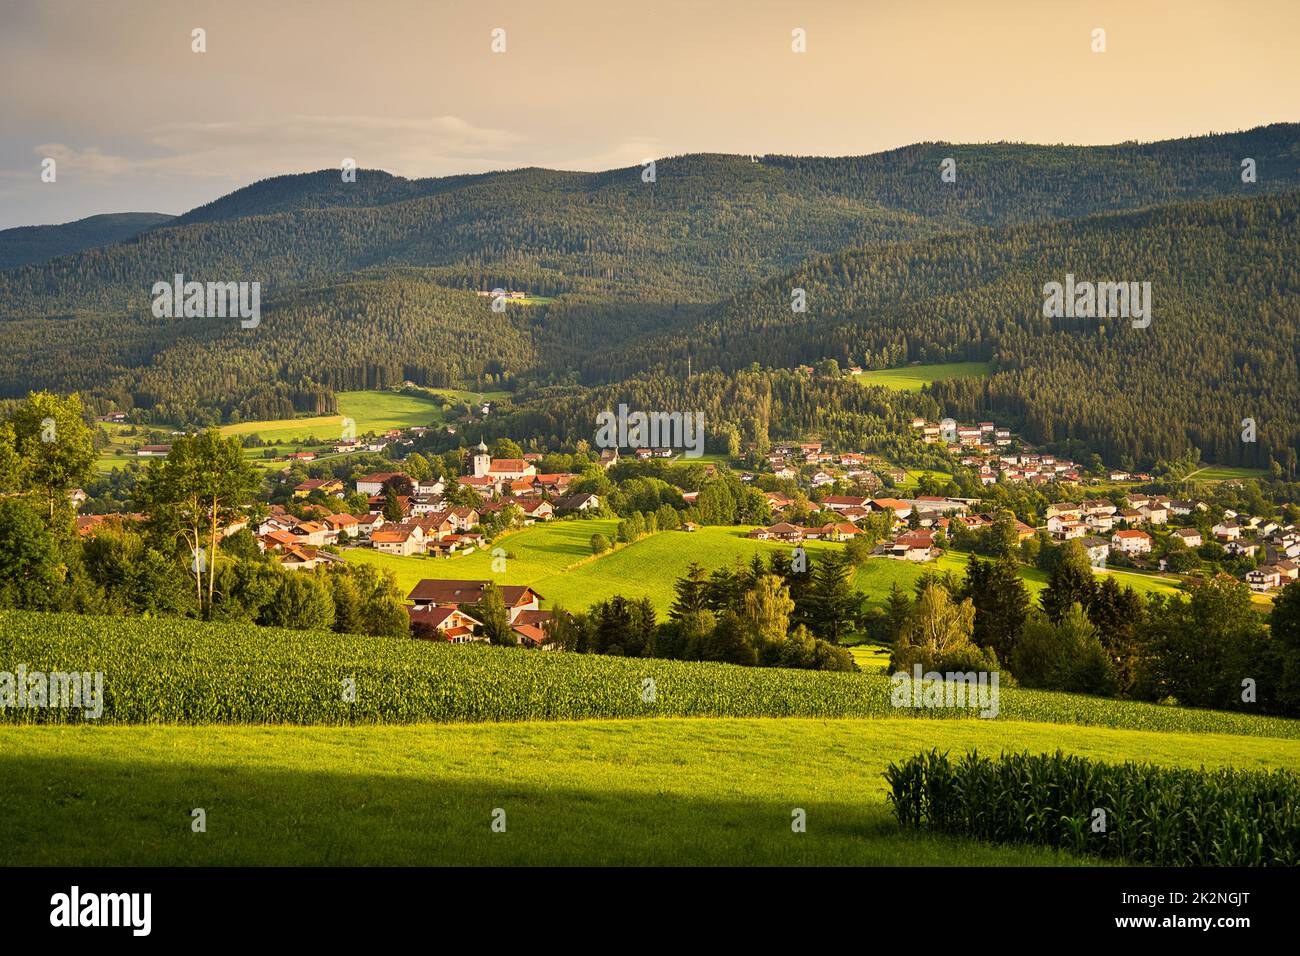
x: 1227, y: 473
x: 597, y: 792
x: 371, y: 411
x: 910, y: 378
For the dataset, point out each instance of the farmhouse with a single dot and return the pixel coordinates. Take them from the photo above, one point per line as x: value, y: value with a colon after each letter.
x: 529, y: 628
x: 400, y: 540
x: 326, y: 486
x: 374, y: 484
x: 1188, y: 536
x: 781, y: 531
x: 1131, y: 542
x: 431, y: 622
x: 1264, y: 578
x: 517, y: 597
x: 298, y: 558
x: 1098, y: 550
x: 843, y: 502
x: 579, y: 503
x: 918, y: 546
x: 522, y: 604
x: 901, y: 509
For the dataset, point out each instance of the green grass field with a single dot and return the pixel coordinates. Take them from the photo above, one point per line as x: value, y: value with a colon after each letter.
x: 371, y: 411
x: 657, y: 792
x: 601, y: 781
x: 555, y: 559
x: 914, y: 478
x: 1227, y: 473
x: 910, y: 378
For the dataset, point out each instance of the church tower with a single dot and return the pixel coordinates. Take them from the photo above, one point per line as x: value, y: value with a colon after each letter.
x: 482, y: 460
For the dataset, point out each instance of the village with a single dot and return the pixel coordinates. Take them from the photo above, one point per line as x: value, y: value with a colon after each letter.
x: 846, y: 494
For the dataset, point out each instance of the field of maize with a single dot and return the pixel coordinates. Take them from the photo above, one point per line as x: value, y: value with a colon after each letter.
x: 1139, y: 813
x: 175, y: 671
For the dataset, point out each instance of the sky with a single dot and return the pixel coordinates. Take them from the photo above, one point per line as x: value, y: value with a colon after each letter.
x: 136, y: 120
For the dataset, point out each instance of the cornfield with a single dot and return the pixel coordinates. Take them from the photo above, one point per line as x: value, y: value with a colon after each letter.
x: 179, y: 671
x: 1135, y: 812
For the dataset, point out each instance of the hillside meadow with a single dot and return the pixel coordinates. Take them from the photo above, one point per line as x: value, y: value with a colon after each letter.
x: 555, y: 559
x: 371, y: 411
x: 250, y: 726
x: 658, y: 792
x: 910, y: 378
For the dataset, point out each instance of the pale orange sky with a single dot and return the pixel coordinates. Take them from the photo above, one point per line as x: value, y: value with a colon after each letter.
x: 139, y: 122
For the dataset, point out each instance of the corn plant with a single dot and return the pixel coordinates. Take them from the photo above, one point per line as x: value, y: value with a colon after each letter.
x: 1137, y: 812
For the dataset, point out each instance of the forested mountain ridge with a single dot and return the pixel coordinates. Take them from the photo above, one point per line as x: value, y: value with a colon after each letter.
x: 28, y: 245
x: 708, y: 225
x: 365, y: 330
x: 367, y: 284
x: 1223, y: 343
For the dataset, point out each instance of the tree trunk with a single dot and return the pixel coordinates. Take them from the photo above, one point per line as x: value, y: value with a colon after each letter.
x: 212, y: 557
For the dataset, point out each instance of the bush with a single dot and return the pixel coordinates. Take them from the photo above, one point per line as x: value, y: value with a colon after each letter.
x: 1137, y: 812
x: 599, y: 544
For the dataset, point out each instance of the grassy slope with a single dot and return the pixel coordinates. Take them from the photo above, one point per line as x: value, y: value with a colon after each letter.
x: 910, y: 378
x: 555, y: 558
x: 371, y: 411
x: 658, y: 791
x: 1227, y: 472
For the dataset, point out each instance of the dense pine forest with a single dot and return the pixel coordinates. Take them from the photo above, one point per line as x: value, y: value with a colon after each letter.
x: 372, y: 283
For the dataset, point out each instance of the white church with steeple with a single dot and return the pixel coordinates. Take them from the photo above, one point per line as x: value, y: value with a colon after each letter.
x: 482, y: 461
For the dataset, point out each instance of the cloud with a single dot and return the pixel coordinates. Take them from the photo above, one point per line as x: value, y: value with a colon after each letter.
x: 628, y: 152
x: 245, y: 150
x: 90, y: 163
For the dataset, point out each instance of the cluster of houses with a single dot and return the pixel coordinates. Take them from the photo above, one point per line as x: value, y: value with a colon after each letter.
x: 984, y: 449
x: 514, y: 477
x: 931, y: 514
x: 438, y: 612
x: 1242, y: 536
x: 430, y: 524
x: 982, y: 435
x: 786, y: 460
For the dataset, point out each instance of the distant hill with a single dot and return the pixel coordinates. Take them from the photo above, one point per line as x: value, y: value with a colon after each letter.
x: 30, y: 245
x: 708, y: 226
x: 369, y: 283
x: 1223, y: 343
